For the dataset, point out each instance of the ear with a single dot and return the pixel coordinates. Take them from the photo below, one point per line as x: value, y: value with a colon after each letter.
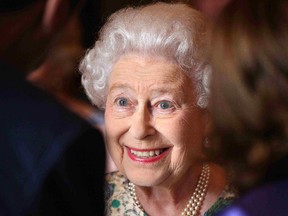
x: 55, y: 16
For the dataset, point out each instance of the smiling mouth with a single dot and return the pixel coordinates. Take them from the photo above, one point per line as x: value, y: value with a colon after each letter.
x: 148, y: 153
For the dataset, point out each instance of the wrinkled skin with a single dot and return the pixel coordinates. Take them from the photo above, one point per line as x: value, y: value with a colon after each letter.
x: 151, y: 104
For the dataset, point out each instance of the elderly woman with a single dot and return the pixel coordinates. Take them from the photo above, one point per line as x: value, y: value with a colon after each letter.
x: 148, y: 71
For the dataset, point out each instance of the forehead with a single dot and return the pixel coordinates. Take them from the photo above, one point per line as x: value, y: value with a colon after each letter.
x: 147, y: 70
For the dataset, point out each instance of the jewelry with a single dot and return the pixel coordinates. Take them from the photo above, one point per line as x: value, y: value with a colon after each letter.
x: 206, y: 143
x: 196, y: 200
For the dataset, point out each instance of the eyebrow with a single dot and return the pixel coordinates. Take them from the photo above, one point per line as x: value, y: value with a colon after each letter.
x: 119, y: 86
x: 156, y: 91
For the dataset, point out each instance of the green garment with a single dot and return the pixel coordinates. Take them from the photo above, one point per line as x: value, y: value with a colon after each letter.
x: 119, y: 202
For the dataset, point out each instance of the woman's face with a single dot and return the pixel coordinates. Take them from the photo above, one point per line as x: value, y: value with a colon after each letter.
x: 154, y: 129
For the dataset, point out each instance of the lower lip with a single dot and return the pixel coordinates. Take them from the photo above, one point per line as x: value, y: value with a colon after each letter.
x: 147, y: 160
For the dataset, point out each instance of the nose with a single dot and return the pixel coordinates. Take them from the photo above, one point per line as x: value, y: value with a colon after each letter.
x: 142, y: 123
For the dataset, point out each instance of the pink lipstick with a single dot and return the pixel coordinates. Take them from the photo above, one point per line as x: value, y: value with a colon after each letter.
x: 147, y: 155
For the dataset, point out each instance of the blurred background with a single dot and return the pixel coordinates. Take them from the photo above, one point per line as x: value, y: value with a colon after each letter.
x: 96, y: 12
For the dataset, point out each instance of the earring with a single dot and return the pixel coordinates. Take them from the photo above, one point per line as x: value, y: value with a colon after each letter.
x: 206, y: 143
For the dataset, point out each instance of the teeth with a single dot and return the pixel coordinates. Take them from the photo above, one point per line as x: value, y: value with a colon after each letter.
x: 146, y: 154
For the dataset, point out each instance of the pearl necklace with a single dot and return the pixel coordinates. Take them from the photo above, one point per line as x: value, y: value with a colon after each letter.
x: 196, y: 200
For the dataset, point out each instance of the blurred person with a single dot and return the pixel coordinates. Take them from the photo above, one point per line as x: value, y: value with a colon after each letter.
x: 52, y: 161
x: 249, y: 103
x: 149, y: 72
x: 59, y: 76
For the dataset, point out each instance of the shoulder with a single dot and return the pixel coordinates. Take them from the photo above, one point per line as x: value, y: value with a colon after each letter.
x: 42, y: 135
x: 117, y: 198
x: 115, y: 184
x: 115, y: 188
x: 226, y: 198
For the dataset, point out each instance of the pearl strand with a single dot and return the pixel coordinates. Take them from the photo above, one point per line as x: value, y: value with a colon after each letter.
x: 196, y: 200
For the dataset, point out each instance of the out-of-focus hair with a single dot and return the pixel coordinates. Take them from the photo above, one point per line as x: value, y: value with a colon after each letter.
x: 17, y: 5
x: 175, y: 32
x: 249, y: 100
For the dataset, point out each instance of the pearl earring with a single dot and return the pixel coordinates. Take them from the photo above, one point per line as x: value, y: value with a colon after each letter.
x: 206, y: 143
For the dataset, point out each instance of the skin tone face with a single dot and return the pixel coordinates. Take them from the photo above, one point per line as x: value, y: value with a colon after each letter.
x: 154, y: 129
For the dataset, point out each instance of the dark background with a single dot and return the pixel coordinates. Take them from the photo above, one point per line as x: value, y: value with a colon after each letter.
x: 96, y: 12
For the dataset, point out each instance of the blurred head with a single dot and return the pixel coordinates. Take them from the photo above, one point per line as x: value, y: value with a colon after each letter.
x: 148, y: 71
x: 249, y: 100
x: 59, y: 72
x: 30, y: 26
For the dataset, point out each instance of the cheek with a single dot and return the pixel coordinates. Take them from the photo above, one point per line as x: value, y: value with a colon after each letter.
x: 188, y: 133
x: 182, y: 150
x: 194, y: 133
x: 113, y: 133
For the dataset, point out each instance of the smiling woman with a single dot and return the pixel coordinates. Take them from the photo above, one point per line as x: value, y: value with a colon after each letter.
x: 155, y: 112
x: 148, y: 71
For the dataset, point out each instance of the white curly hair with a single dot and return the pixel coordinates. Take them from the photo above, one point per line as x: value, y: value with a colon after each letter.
x: 173, y: 31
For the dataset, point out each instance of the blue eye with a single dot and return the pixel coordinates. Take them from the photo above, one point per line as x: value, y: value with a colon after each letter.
x: 165, y: 105
x: 122, y: 102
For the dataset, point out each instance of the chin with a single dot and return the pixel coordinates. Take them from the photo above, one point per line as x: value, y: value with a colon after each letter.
x: 146, y: 178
